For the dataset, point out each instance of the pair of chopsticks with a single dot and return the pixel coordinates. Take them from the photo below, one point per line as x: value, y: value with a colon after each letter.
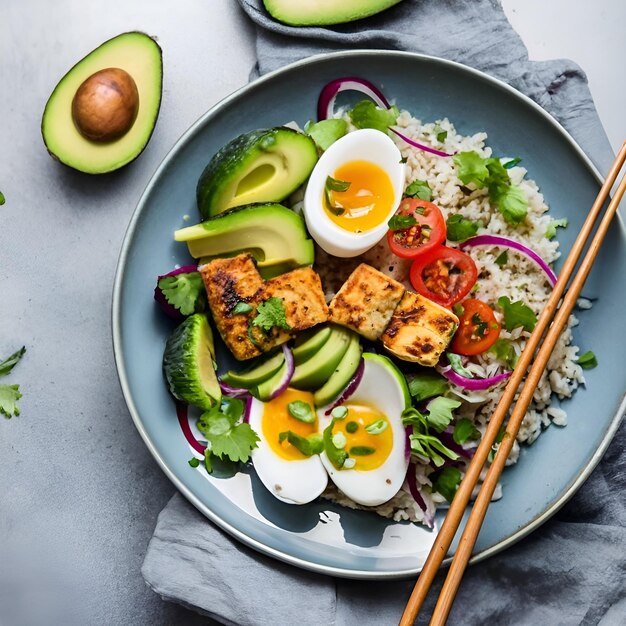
x: 553, y: 319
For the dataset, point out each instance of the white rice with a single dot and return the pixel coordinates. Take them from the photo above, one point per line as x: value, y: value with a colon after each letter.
x: 519, y: 279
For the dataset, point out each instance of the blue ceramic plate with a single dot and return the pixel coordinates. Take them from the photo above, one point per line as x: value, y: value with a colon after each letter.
x: 321, y: 536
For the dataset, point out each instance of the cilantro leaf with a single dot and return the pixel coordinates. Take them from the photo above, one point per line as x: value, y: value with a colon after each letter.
x: 232, y: 409
x: 271, y: 314
x: 401, y: 222
x: 456, y: 363
x: 553, y: 225
x: 241, y: 308
x: 326, y: 132
x: 472, y: 168
x: 441, y: 134
x: 459, y: 228
x: 427, y: 385
x: 365, y: 114
x: 440, y: 412
x: 10, y: 362
x: 446, y: 482
x: 504, y: 351
x: 194, y: 462
x: 422, y: 442
x: 9, y: 395
x: 587, y: 360
x: 502, y: 259
x: 419, y: 189
x: 464, y: 430
x: 310, y: 445
x: 517, y: 314
x: 512, y: 163
x: 513, y: 204
x: 183, y: 291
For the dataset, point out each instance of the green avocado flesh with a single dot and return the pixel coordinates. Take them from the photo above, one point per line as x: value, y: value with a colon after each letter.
x: 315, y: 371
x: 274, y: 235
x: 260, y: 166
x: 322, y: 12
x: 342, y: 374
x: 258, y: 373
x: 188, y: 363
x: 264, y: 390
x: 140, y: 56
x: 310, y: 342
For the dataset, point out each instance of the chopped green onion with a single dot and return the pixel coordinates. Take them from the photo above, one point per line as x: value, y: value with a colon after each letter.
x: 339, y: 412
x: 377, y: 427
x: 301, y: 411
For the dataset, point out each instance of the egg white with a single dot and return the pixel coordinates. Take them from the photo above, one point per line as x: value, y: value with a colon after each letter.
x: 381, y: 389
x: 364, y: 145
x: 295, y: 482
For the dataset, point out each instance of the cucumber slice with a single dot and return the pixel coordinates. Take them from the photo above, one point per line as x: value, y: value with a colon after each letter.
x: 259, y: 372
x: 342, y: 375
x: 188, y: 363
x: 307, y: 344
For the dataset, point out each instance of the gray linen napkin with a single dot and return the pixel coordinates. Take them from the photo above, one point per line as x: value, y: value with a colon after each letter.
x: 573, y: 569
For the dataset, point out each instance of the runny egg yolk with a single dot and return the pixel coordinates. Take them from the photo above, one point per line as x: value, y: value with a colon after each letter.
x: 359, y: 440
x: 277, y: 419
x: 367, y: 201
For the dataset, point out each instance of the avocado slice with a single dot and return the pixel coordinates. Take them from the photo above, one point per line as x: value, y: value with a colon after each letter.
x: 259, y: 166
x: 264, y: 390
x: 324, y: 12
x: 135, y: 55
x: 188, y: 363
x: 315, y: 371
x: 272, y: 233
x: 258, y: 373
x: 310, y: 342
x: 342, y: 375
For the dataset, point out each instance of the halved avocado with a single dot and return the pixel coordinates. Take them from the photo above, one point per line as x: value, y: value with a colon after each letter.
x: 91, y: 121
x: 272, y: 233
x: 342, y: 375
x: 310, y: 342
x: 258, y: 373
x: 188, y: 363
x: 315, y: 371
x: 260, y: 166
x: 323, y: 12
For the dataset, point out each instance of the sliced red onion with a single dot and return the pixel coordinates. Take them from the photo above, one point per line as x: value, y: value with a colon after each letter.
x: 408, y: 431
x: 159, y: 296
x: 246, y: 409
x: 473, y: 384
x: 351, y: 387
x: 447, y: 440
x: 421, y: 146
x: 417, y: 496
x: 183, y: 420
x: 326, y: 100
x: 233, y: 392
x: 505, y: 242
x: 284, y: 383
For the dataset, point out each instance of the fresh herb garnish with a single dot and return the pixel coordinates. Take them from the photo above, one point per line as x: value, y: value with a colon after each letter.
x: 185, y: 292
x: 422, y: 441
x: 226, y: 435
x: 512, y: 163
x: 325, y: 132
x: 456, y: 363
x: 496, y: 443
x: 480, y: 326
x: 587, y: 360
x: 362, y: 450
x: 310, y: 445
x: 517, y: 314
x: 440, y: 134
x: 241, y: 308
x: 504, y: 351
x: 10, y: 394
x: 439, y: 412
x: 301, y: 411
x: 419, y: 189
x: 336, y: 455
x: 427, y: 385
x: 401, y: 222
x: 464, y: 430
x: 339, y: 412
x: 502, y: 259
x: 490, y: 173
x: 2, y: 199
x: 446, y: 482
x: 553, y: 225
x: 334, y: 184
x: 270, y: 314
x: 377, y: 427
x: 194, y: 462
x: 365, y: 114
x: 458, y: 309
x: 352, y: 427
x: 459, y: 228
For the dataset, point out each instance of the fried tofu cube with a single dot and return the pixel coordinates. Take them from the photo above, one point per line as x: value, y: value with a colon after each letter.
x: 230, y: 281
x: 366, y: 301
x: 419, y: 330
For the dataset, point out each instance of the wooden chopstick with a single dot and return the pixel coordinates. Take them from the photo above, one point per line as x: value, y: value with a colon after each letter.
x: 457, y: 508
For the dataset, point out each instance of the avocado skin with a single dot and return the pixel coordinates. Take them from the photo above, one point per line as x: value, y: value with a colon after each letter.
x: 89, y: 168
x: 232, y: 160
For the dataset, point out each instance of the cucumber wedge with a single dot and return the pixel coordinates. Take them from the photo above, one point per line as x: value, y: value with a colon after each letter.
x: 188, y: 363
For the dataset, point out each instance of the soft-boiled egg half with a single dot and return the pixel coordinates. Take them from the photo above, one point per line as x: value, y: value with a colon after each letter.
x: 354, y: 189
x: 365, y: 448
x: 286, y: 472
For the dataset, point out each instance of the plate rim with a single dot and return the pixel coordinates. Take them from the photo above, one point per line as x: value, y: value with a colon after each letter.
x: 116, y: 330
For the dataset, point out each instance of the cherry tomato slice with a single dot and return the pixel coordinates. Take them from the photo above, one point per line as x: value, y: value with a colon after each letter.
x: 478, y: 328
x: 429, y: 231
x: 444, y: 275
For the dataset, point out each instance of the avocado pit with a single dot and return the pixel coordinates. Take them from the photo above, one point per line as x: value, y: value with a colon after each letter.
x: 105, y: 105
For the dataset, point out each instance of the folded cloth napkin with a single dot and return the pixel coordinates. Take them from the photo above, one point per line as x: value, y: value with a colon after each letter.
x: 573, y: 569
